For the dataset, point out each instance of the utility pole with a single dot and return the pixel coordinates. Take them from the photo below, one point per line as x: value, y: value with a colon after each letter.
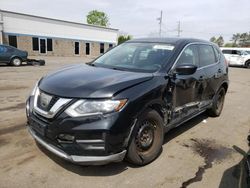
x: 160, y: 23
x: 179, y: 29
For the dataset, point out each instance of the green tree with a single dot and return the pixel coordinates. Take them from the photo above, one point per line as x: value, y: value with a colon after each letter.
x: 99, y: 18
x: 220, y: 41
x: 213, y: 39
x: 244, y: 38
x: 229, y: 45
x: 235, y: 39
x: 123, y: 38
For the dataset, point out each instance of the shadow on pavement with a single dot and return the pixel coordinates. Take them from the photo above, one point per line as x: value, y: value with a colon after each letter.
x: 238, y: 176
x: 184, y: 127
x: 117, y: 168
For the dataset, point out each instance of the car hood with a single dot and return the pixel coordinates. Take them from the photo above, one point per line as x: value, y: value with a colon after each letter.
x: 84, y: 81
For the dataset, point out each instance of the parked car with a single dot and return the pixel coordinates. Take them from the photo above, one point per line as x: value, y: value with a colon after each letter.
x: 121, y: 104
x: 237, y: 57
x: 11, y: 55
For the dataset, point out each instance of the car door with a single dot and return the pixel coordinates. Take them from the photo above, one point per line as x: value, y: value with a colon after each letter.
x: 236, y: 58
x: 188, y: 89
x: 210, y: 64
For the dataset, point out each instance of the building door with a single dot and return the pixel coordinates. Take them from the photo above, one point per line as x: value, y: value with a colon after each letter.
x: 43, y: 46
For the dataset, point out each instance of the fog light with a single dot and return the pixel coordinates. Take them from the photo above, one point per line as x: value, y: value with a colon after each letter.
x: 66, y: 137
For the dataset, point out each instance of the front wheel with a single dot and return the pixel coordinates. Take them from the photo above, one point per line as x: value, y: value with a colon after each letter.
x: 146, y: 139
x: 218, y: 103
x: 16, y: 61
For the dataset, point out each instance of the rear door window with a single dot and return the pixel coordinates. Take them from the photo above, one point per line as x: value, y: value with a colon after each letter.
x: 217, y: 54
x: 227, y: 51
x: 207, y: 55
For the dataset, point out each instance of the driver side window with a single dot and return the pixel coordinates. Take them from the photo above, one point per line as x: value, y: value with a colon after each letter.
x: 189, y: 56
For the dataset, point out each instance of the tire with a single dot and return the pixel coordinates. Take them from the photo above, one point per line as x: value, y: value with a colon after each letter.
x: 247, y: 65
x: 16, y: 61
x: 218, y: 103
x: 147, y: 138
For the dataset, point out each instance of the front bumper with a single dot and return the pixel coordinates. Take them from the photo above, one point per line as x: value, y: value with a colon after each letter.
x: 87, y: 160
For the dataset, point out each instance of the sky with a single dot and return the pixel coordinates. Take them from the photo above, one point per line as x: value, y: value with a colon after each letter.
x: 198, y: 18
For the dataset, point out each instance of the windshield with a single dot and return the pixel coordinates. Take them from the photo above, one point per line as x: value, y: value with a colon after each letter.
x: 144, y: 57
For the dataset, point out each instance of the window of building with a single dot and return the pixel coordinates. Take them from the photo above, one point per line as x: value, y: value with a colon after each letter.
x: 49, y: 45
x: 13, y: 40
x: 77, y: 48
x: 35, y: 44
x: 101, y: 48
x: 110, y: 45
x: 87, y: 49
x: 207, y: 56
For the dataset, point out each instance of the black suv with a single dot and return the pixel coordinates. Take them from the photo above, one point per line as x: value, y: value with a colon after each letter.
x: 11, y: 55
x: 121, y: 104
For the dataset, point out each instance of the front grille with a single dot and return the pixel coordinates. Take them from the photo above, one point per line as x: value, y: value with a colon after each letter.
x: 48, y: 105
x: 53, y: 101
x: 44, y: 101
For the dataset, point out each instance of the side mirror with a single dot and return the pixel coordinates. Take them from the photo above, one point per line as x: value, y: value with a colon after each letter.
x: 185, y: 69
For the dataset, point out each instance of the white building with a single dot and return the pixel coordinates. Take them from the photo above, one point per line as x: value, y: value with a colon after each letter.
x: 53, y: 37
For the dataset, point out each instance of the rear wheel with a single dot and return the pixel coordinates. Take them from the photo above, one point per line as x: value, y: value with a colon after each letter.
x: 248, y: 64
x: 16, y: 61
x: 147, y: 138
x: 218, y: 103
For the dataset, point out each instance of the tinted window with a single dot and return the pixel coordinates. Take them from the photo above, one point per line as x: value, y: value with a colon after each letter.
x: 207, y: 56
x: 217, y: 53
x: 35, y: 44
x: 143, y: 57
x: 227, y: 51
x: 236, y: 52
x: 3, y: 49
x: 12, y: 41
x: 189, y: 56
x: 49, y: 45
x: 87, y: 50
x: 101, y: 48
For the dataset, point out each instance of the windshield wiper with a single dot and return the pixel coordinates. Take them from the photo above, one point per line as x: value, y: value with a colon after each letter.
x: 118, y: 68
x: 91, y: 64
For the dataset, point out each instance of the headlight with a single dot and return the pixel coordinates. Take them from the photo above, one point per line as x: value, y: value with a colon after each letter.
x: 95, y: 107
x: 34, y: 89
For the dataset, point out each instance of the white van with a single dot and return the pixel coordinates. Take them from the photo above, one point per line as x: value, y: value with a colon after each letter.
x: 237, y: 56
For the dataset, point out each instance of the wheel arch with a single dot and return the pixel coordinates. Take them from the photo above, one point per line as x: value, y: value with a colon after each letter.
x: 225, y: 86
x: 247, y: 61
x: 15, y: 56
